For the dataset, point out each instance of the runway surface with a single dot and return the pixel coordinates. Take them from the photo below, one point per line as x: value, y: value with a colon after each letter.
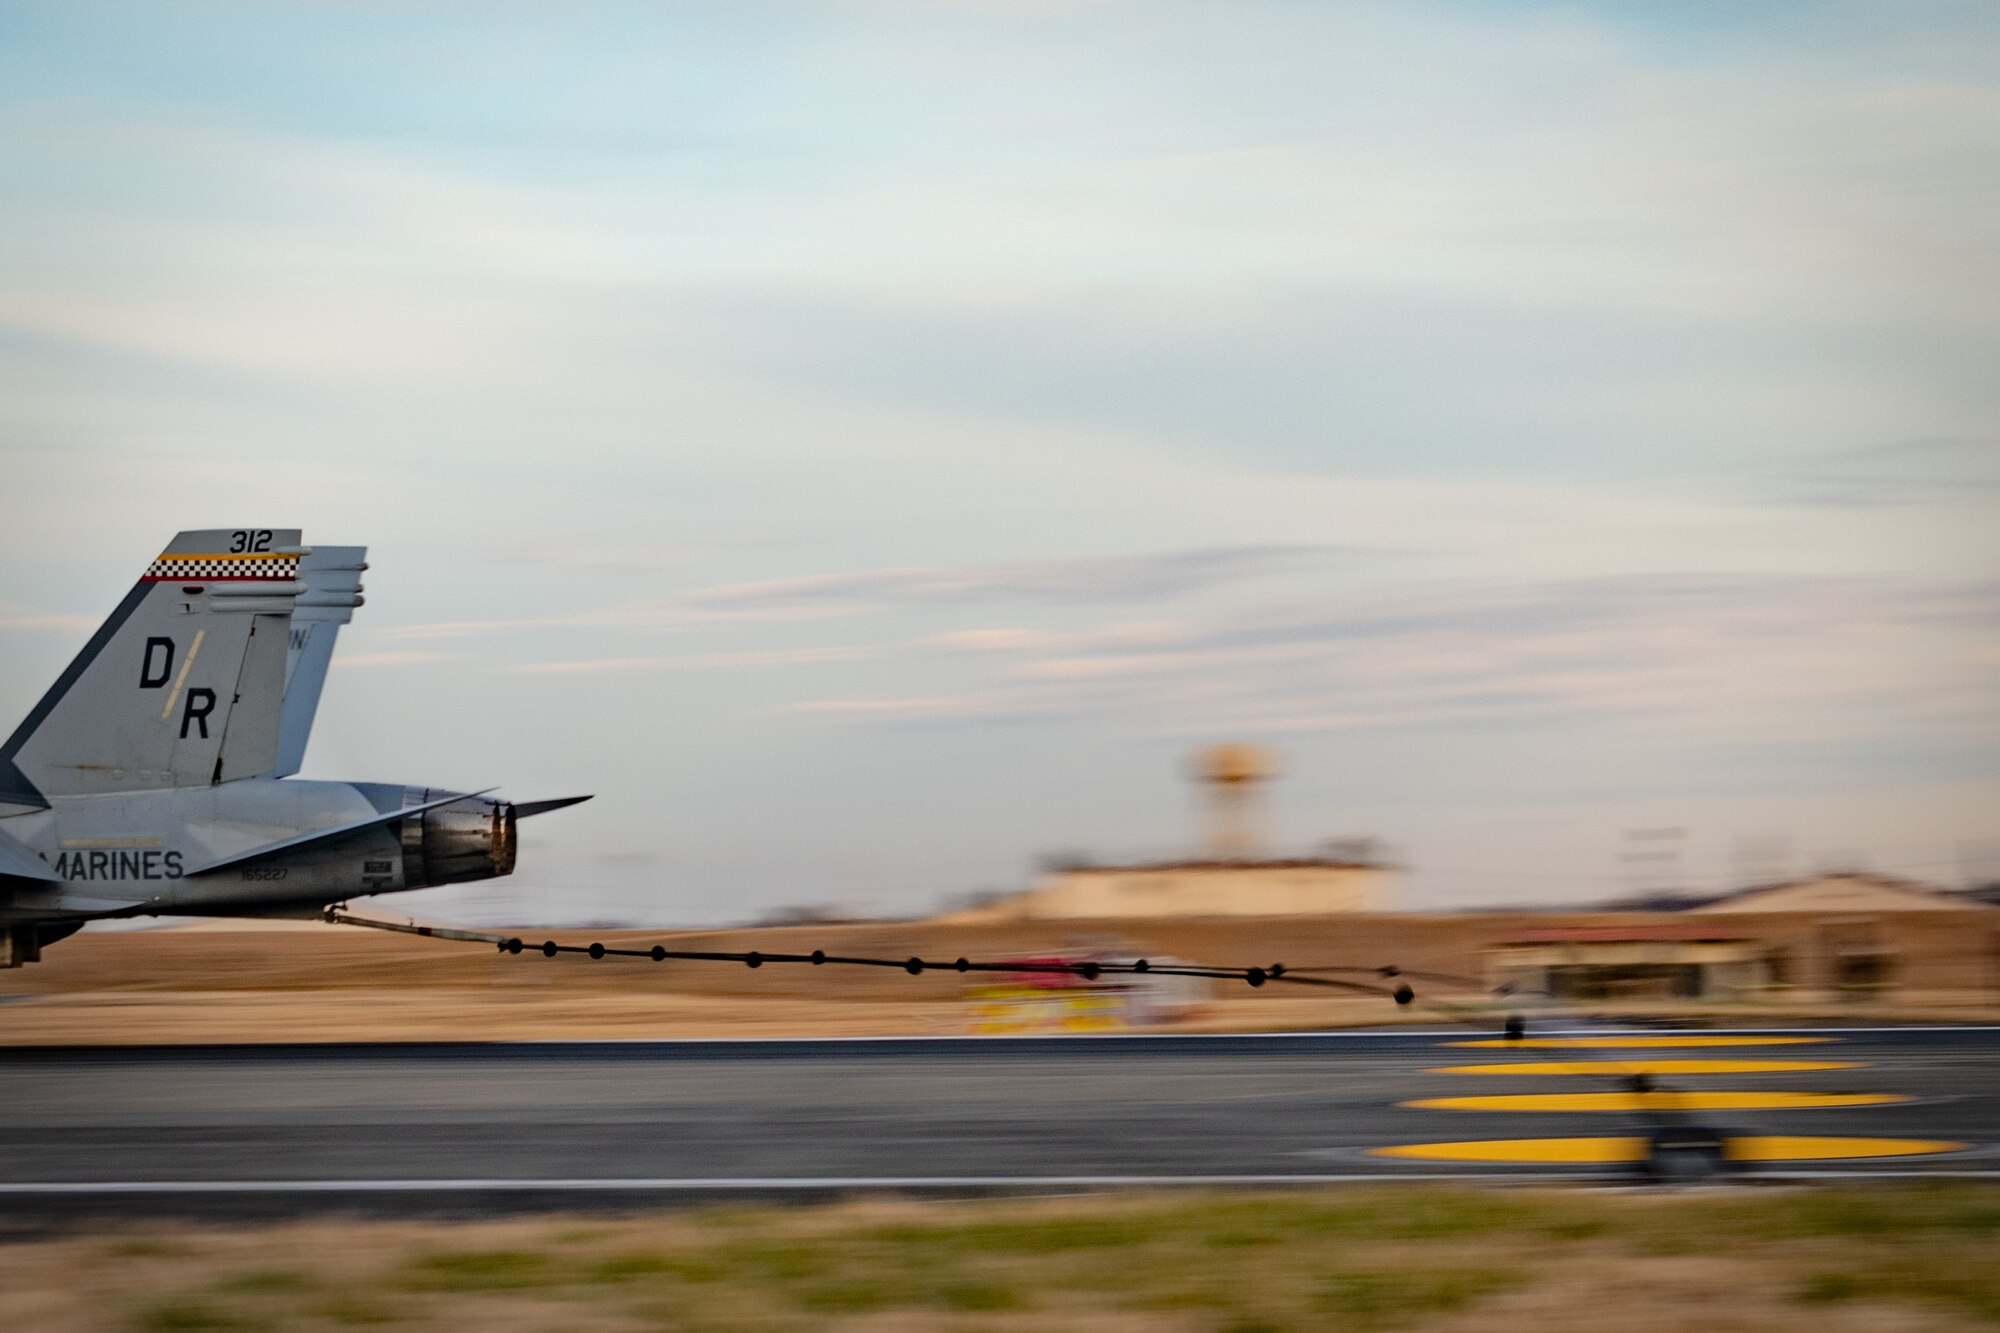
x: 477, y: 1126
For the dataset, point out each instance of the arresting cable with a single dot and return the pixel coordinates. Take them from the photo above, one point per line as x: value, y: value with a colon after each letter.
x: 1088, y: 970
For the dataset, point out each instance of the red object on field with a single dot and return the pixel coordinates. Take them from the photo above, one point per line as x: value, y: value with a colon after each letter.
x: 1046, y: 980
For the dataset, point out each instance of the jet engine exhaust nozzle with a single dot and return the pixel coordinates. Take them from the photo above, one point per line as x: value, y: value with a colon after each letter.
x: 465, y: 840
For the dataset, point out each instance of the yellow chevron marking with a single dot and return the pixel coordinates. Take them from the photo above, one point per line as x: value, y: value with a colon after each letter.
x: 1781, y: 1148
x: 1627, y: 1067
x: 1749, y: 1148
x: 1521, y: 1150
x: 1638, y: 1043
x: 1659, y: 1101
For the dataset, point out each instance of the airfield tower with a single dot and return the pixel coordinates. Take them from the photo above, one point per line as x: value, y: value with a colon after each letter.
x: 1233, y: 778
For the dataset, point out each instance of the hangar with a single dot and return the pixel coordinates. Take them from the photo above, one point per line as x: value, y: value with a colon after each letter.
x: 1850, y: 934
x: 1631, y: 961
x: 1847, y: 891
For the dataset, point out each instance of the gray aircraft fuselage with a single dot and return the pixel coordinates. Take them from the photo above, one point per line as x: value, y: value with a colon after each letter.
x: 155, y: 775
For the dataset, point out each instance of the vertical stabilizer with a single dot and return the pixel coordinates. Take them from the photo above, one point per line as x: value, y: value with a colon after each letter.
x: 181, y: 687
x: 332, y: 575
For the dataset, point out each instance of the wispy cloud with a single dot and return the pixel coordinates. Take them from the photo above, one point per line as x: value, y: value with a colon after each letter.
x: 45, y: 622
x: 977, y: 707
x: 1015, y: 640
x: 1080, y: 579
x: 391, y: 658
x: 697, y: 661
x: 601, y: 556
x: 1699, y: 646
x: 459, y: 629
x: 1066, y: 581
x: 648, y: 614
x: 1963, y: 472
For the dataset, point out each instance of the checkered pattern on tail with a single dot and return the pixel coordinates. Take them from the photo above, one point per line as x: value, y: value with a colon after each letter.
x: 213, y: 569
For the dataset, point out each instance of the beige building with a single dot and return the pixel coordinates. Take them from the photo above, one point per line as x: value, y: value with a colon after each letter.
x: 1197, y: 889
x: 1636, y: 960
x: 1853, y: 935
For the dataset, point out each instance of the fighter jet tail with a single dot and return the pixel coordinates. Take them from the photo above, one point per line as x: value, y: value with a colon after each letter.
x: 181, y: 687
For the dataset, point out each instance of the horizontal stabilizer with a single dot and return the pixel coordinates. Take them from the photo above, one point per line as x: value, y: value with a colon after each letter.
x: 522, y: 809
x: 17, y: 862
x: 326, y: 834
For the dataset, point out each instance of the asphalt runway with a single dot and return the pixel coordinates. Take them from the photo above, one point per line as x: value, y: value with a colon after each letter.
x: 482, y: 1127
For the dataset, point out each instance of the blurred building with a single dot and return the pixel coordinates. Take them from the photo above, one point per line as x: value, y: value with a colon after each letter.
x: 1234, y: 878
x: 1304, y: 887
x: 1851, y: 934
x: 1847, y: 892
x: 1631, y: 960
x: 1840, y: 891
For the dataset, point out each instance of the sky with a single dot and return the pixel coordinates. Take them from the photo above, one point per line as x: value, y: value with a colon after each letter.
x: 871, y: 445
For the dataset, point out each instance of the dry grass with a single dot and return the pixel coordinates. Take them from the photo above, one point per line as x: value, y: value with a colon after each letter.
x: 1854, y: 1258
